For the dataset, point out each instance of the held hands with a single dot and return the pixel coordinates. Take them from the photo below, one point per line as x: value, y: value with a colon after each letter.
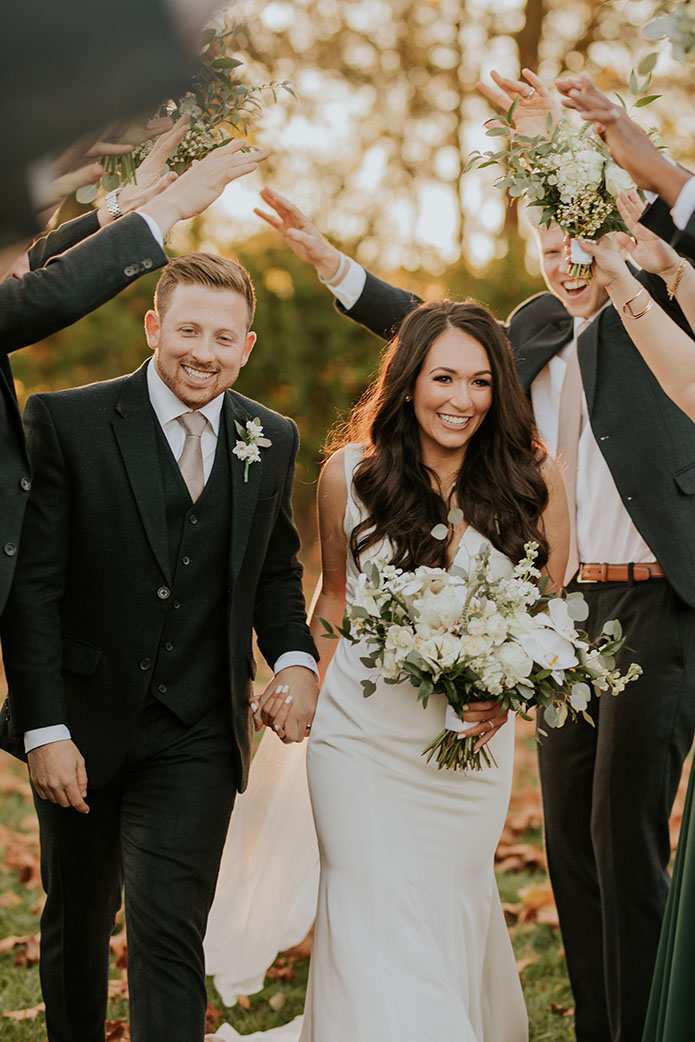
x: 487, y: 719
x: 300, y: 234
x: 58, y: 774
x: 288, y: 704
x: 533, y: 105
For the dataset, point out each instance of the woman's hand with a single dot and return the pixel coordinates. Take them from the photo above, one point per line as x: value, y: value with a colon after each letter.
x: 533, y: 105
x: 487, y: 718
x: 648, y: 250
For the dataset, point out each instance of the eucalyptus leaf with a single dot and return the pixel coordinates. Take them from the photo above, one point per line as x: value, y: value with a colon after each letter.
x: 497, y: 132
x: 646, y: 101
x: 110, y: 182
x: 555, y: 715
x: 455, y: 516
x: 647, y: 64
x: 86, y: 194
x: 439, y: 532
x: 368, y: 688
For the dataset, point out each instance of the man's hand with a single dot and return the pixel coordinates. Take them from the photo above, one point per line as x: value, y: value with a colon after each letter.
x: 300, y: 234
x: 58, y: 774
x: 202, y: 183
x: 288, y: 703
x: 533, y: 105
x: 149, y: 177
x: 627, y: 143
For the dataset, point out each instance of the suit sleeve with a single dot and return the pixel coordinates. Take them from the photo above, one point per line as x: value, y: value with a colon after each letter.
x: 31, y: 627
x: 381, y: 307
x: 76, y: 282
x: 280, y: 608
x: 63, y: 238
x: 657, y: 217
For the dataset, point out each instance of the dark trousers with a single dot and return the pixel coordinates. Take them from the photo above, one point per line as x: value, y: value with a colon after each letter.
x: 157, y: 830
x: 607, y: 797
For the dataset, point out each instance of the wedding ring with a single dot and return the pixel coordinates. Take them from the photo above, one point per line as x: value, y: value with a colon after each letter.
x: 530, y: 94
x: 308, y: 727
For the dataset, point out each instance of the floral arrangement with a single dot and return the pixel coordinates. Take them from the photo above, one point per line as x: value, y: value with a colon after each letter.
x: 249, y: 444
x: 569, y: 175
x: 678, y: 24
x: 218, y: 105
x: 474, y: 637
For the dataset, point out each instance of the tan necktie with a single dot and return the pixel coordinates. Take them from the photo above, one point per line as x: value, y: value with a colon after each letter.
x: 569, y: 431
x: 191, y: 459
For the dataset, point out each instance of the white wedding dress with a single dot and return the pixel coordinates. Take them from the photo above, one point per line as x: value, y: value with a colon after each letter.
x: 410, y: 942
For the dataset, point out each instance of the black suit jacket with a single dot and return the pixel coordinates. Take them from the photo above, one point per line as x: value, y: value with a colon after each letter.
x: 84, y: 609
x: 76, y: 272
x: 646, y: 440
x: 657, y: 217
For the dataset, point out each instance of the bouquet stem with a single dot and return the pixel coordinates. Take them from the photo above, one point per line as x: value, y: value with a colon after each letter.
x: 457, y: 753
x: 581, y: 262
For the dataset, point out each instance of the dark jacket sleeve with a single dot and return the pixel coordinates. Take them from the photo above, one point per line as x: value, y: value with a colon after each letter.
x: 63, y: 238
x: 76, y: 282
x: 280, y: 608
x: 657, y: 217
x: 381, y: 307
x: 30, y: 627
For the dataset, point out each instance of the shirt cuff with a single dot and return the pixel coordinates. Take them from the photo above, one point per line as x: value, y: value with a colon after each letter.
x: 44, y: 736
x: 296, y: 658
x: 349, y: 289
x: 684, y: 205
x: 153, y: 226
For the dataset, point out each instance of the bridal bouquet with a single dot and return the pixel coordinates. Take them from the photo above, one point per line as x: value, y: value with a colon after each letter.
x: 569, y: 175
x: 477, y: 636
x: 217, y: 104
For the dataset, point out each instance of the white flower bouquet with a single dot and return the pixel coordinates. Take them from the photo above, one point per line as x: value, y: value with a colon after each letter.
x: 569, y: 175
x: 474, y: 637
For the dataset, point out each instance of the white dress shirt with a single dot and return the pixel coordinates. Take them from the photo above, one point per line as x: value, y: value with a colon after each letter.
x: 167, y: 408
x: 605, y: 531
x: 684, y: 205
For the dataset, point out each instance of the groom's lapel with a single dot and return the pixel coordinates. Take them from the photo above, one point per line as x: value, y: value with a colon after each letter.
x: 135, y: 431
x: 244, y: 493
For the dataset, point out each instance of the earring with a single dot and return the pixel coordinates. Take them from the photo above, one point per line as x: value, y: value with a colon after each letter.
x: 408, y: 397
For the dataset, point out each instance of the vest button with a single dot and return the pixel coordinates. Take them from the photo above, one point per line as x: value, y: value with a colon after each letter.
x: 193, y: 519
x: 162, y: 689
x: 145, y: 663
x: 25, y: 484
x: 10, y: 549
x: 176, y: 604
x: 169, y: 646
x: 185, y: 559
x: 163, y: 592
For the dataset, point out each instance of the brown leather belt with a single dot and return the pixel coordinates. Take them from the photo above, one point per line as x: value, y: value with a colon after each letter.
x: 619, y: 573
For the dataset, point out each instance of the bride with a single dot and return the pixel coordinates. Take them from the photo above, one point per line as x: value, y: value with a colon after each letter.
x: 410, y: 942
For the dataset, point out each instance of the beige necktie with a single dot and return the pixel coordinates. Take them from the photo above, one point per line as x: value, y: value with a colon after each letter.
x: 569, y: 431
x: 191, y: 459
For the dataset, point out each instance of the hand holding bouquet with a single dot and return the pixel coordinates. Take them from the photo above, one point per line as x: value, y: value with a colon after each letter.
x: 474, y: 637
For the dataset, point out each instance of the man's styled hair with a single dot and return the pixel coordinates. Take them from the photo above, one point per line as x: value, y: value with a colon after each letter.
x: 204, y: 269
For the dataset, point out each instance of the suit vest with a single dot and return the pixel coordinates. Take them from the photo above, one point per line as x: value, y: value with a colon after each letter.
x: 190, y: 672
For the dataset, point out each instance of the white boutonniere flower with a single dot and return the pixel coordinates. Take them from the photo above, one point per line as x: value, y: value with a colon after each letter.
x: 249, y: 444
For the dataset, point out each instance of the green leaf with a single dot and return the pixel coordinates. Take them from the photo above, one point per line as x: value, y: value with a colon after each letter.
x: 86, y: 194
x: 646, y: 101
x: 512, y: 110
x: 327, y: 626
x: 439, y: 532
x: 555, y: 715
x: 549, y: 122
x: 498, y: 132
x: 368, y: 688
x: 647, y: 64
x: 225, y: 63
x: 633, y: 85
x: 110, y: 181
x: 612, y: 628
x: 455, y: 516
x: 368, y: 661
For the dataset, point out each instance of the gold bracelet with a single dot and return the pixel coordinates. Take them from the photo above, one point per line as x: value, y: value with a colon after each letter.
x: 671, y: 290
x: 627, y: 310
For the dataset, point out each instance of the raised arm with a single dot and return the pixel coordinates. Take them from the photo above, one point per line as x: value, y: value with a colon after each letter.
x: 666, y: 348
x: 360, y: 295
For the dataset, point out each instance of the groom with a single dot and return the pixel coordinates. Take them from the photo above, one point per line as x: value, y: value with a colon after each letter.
x: 150, y: 552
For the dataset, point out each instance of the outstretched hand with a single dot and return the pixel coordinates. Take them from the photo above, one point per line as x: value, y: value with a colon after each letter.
x: 301, y: 235
x: 627, y: 143
x: 533, y: 105
x: 648, y: 250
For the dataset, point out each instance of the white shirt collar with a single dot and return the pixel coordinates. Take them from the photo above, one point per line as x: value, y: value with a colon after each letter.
x: 168, y: 407
x: 578, y: 319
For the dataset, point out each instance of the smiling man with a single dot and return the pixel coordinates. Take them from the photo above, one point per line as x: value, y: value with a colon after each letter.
x: 629, y: 465
x: 150, y: 553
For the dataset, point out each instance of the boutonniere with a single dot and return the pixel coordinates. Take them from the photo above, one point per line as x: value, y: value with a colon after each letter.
x: 249, y: 444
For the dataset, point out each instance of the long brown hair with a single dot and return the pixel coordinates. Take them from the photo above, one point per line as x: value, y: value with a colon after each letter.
x: 499, y: 488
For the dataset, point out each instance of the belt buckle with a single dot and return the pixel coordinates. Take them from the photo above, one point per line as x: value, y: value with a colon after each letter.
x: 579, y: 579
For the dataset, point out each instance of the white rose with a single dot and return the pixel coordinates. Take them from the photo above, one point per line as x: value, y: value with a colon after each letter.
x: 476, y: 626
x: 473, y: 646
x: 617, y: 179
x: 400, y: 639
x: 497, y: 628
x: 390, y: 666
x: 516, y: 663
x: 440, y: 608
